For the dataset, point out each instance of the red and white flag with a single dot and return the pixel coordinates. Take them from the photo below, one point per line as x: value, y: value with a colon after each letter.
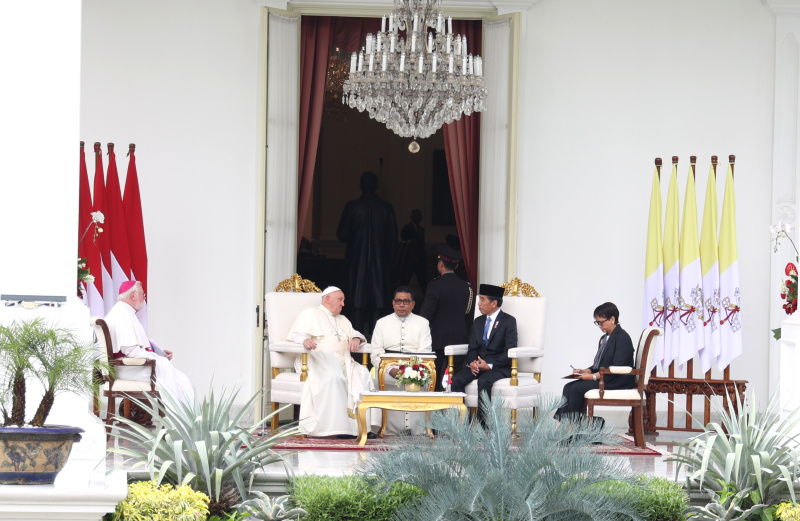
x: 87, y: 244
x: 99, y: 205
x: 116, y: 228
x: 132, y: 203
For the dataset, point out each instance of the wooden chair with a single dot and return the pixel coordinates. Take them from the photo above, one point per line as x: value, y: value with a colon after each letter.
x: 114, y: 388
x: 282, y: 308
x: 523, y: 389
x: 634, y: 398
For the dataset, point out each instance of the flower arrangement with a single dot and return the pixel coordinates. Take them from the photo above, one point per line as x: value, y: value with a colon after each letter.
x: 84, y: 274
x: 788, y: 289
x: 413, y: 372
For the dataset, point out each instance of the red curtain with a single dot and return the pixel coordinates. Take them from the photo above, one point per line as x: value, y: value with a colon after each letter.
x: 462, y: 146
x: 315, y: 51
x: 318, y: 35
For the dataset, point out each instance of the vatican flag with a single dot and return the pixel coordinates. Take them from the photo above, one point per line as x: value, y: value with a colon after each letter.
x: 672, y: 321
x: 653, y: 312
x: 690, y: 302
x: 730, y: 326
x: 709, y: 263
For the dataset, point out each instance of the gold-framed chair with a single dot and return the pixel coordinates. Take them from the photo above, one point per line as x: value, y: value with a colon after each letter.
x: 114, y: 388
x: 634, y: 398
x: 281, y: 308
x: 523, y: 388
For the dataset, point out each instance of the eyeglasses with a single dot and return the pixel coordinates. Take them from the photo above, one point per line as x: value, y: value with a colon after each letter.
x: 601, y: 322
x: 404, y: 301
x: 140, y: 293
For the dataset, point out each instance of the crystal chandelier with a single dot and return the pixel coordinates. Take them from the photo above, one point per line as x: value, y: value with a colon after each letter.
x: 416, y: 85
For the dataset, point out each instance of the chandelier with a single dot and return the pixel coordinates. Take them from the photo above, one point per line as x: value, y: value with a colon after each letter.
x: 417, y: 84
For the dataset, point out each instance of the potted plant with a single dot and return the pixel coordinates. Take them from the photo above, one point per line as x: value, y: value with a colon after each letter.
x: 32, y: 452
x: 413, y: 375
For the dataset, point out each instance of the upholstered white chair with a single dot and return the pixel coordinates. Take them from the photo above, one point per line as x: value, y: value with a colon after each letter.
x: 115, y: 388
x: 523, y: 389
x: 282, y: 309
x: 634, y: 398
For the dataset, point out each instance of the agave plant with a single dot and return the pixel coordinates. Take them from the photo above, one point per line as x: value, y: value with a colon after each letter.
x: 269, y: 509
x: 548, y: 471
x: 753, y: 453
x: 201, y: 445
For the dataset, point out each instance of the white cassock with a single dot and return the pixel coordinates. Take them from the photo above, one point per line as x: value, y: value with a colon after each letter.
x: 394, y: 335
x: 335, y: 381
x: 129, y: 338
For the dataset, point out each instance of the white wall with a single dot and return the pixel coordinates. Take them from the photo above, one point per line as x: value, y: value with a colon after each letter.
x: 179, y: 79
x: 610, y: 85
x: 607, y: 86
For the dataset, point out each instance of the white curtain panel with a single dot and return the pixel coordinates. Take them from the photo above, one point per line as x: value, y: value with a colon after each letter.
x: 283, y: 78
x: 492, y: 220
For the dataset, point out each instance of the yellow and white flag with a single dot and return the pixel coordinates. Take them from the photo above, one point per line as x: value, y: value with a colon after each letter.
x: 690, y: 302
x: 709, y: 262
x: 729, y: 320
x: 672, y: 321
x: 653, y: 312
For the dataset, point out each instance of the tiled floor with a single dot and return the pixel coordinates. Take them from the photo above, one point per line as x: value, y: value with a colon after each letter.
x: 340, y: 462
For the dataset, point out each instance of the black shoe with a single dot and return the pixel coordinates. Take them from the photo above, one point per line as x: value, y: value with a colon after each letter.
x: 370, y: 436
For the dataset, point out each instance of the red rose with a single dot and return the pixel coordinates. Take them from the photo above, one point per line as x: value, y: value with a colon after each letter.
x: 415, y: 367
x: 790, y: 268
x: 402, y: 368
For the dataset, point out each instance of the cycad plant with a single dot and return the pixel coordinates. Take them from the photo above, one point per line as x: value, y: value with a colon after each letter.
x: 746, y: 461
x: 548, y: 471
x: 200, y: 443
x: 53, y: 355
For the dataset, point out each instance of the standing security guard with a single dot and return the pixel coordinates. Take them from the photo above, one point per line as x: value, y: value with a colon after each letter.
x: 448, y: 308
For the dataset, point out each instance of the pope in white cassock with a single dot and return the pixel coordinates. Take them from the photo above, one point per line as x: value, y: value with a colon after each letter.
x: 401, y: 332
x: 129, y: 339
x: 335, y: 381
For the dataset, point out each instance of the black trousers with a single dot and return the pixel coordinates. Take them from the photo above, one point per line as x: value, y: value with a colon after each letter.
x: 486, y: 380
x: 574, y: 392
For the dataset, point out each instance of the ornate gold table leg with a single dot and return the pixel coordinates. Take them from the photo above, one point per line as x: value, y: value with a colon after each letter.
x: 362, y: 423
x: 384, y: 419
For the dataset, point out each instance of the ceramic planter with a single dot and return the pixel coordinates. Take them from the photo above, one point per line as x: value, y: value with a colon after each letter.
x: 35, y: 455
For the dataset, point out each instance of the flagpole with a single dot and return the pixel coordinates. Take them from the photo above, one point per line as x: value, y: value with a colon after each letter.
x: 658, y: 163
x: 727, y: 372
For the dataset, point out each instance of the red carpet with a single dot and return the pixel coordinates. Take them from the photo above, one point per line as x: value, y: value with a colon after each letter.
x: 621, y: 446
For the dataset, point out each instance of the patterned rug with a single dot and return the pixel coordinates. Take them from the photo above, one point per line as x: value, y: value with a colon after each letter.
x: 621, y: 445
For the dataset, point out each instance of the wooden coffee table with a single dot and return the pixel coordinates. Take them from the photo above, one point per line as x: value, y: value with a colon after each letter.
x: 404, y: 401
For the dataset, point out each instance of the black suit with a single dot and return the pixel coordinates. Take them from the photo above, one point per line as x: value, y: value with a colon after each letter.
x: 416, y: 234
x: 447, y: 303
x: 618, y: 351
x: 502, y: 338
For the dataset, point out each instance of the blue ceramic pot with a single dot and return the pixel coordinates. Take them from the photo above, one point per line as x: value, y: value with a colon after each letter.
x: 35, y: 455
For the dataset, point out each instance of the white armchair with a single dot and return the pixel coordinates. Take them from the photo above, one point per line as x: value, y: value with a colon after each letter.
x: 522, y: 390
x: 282, y: 308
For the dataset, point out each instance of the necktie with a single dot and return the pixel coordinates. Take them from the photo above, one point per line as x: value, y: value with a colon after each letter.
x: 486, y: 330
x: 600, y: 352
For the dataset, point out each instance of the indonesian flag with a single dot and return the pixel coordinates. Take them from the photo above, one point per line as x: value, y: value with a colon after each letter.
x: 99, y: 205
x: 132, y: 204
x: 87, y: 244
x: 446, y: 378
x: 731, y: 327
x: 690, y: 315
x: 653, y: 312
x: 709, y: 263
x: 116, y: 227
x: 672, y: 273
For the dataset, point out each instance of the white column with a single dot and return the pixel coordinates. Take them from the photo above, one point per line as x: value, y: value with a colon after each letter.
x: 785, y: 170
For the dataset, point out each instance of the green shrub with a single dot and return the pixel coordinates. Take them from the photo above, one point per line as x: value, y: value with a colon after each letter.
x: 147, y: 502
x: 327, y: 498
x: 787, y: 511
x: 654, y: 499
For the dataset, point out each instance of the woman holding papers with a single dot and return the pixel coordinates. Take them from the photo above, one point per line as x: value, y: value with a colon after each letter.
x: 614, y: 349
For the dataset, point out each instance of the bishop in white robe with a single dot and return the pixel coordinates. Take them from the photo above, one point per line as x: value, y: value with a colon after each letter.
x: 335, y: 381
x: 129, y: 339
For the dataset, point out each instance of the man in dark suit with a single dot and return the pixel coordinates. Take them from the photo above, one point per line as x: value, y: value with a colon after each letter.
x: 615, y: 349
x: 447, y: 302
x: 493, y: 334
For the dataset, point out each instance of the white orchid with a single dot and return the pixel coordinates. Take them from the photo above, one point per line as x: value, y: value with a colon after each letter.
x: 98, y: 217
x: 88, y: 278
x: 780, y: 231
